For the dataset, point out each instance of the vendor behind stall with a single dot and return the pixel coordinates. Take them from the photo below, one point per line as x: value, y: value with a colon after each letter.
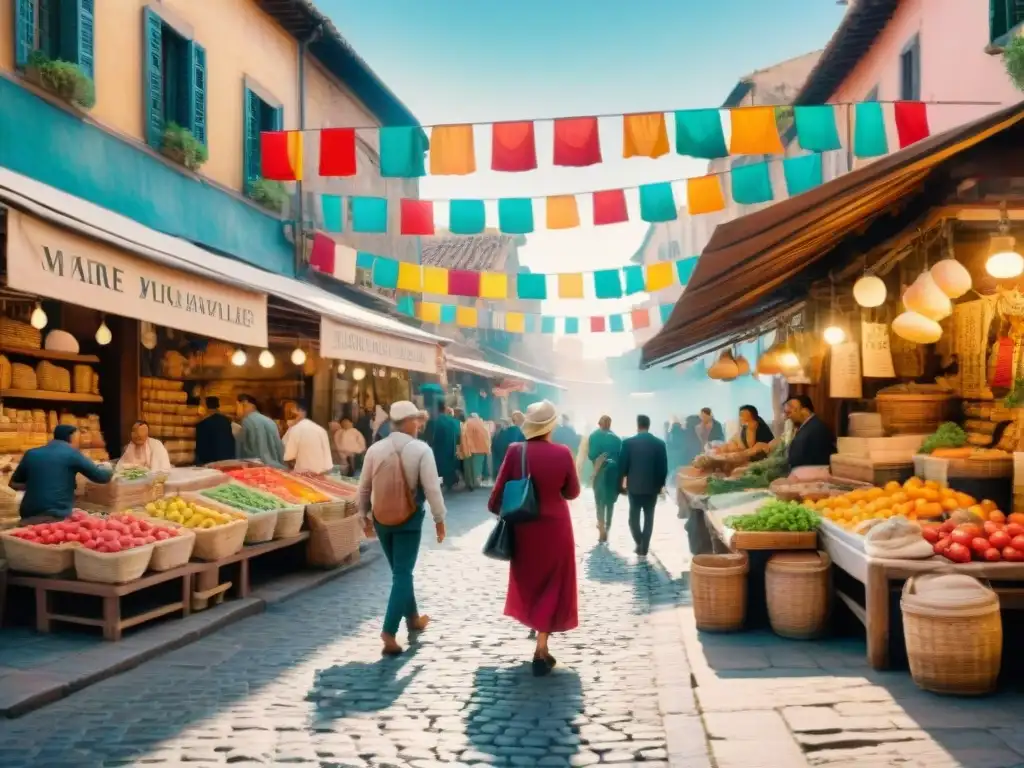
x: 259, y: 438
x: 215, y: 440
x: 145, y: 451
x: 307, y: 444
x: 813, y: 443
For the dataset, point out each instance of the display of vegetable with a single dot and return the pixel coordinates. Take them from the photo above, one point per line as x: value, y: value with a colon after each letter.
x: 948, y: 435
x: 132, y: 473
x: 776, y: 515
x: 242, y: 498
x: 717, y: 485
x: 999, y: 538
x: 758, y: 474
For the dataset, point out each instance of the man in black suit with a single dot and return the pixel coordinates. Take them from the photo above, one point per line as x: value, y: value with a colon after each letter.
x: 214, y: 439
x: 643, y: 462
x: 813, y: 443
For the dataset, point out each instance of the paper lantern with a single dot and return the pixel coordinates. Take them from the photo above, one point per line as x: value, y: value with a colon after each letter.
x: 1005, y: 264
x: 39, y: 318
x: 725, y: 369
x: 917, y: 328
x: 238, y: 357
x: 789, y: 361
x: 869, y: 291
x: 743, y: 365
x: 834, y: 335
x: 926, y: 298
x: 298, y: 356
x: 952, y: 278
x: 266, y: 359
x: 103, y: 334
x: 768, y: 364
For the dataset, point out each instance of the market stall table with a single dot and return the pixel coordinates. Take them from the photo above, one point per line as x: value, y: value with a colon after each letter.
x: 208, y: 582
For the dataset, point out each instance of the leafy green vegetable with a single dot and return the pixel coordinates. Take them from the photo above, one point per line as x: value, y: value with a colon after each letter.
x: 717, y: 485
x: 776, y: 515
x: 243, y: 498
x: 948, y: 435
x: 1015, y: 399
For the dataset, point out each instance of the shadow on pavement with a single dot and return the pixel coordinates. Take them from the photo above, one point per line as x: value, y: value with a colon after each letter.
x: 605, y: 565
x: 360, y: 687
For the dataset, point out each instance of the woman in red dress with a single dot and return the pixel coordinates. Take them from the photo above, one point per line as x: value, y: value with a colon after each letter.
x: 542, y: 590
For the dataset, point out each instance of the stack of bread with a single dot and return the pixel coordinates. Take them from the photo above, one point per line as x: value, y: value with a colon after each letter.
x: 171, y: 419
x: 981, y: 420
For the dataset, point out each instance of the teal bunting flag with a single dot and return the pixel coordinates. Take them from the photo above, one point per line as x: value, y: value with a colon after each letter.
x: 615, y: 324
x: 385, y: 272
x: 530, y: 286
x: 547, y: 324
x: 699, y: 134
x: 634, y: 275
x: 869, y: 130
x: 816, y: 128
x: 657, y: 202
x: 330, y: 206
x: 369, y: 214
x: 608, y: 284
x: 364, y: 260
x: 572, y: 325
x: 448, y: 312
x: 530, y: 323
x: 684, y: 269
x: 402, y: 152
x: 466, y: 217
x: 515, y: 215
x: 666, y: 312
x: 407, y: 305
x: 802, y: 173
x: 752, y: 184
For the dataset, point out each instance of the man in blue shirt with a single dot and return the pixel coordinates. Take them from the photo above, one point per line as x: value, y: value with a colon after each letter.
x: 47, y: 475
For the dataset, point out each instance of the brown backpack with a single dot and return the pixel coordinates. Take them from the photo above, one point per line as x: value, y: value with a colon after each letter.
x: 392, y: 499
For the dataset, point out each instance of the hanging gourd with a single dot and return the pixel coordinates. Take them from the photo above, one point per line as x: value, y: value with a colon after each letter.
x: 768, y: 363
x: 725, y: 369
x: 926, y: 298
x: 789, y: 361
x: 742, y: 365
x: 951, y: 277
x: 917, y: 328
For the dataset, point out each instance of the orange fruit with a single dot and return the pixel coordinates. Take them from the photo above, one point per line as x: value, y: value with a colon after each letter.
x: 929, y: 494
x: 988, y: 505
x: 858, y: 495
x: 996, y: 516
x: 931, y: 509
x: 949, y: 504
x: 913, y: 482
x: 892, y: 486
x: 975, y: 509
x: 899, y: 497
x: 965, y: 500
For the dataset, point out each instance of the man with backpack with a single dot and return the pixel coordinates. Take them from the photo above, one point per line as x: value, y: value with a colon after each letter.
x: 399, y: 474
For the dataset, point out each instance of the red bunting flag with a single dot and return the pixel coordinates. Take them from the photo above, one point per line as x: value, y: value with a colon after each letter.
x: 640, y: 319
x: 331, y: 258
x: 513, y: 147
x: 463, y: 282
x: 577, y: 142
x: 597, y: 324
x: 911, y: 122
x: 417, y: 217
x: 338, y: 152
x: 610, y: 207
x: 281, y: 155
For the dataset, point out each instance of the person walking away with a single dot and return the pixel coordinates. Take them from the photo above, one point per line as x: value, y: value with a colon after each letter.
x: 565, y: 435
x: 476, y: 445
x: 47, y: 476
x: 643, y: 465
x: 674, y: 444
x: 709, y: 430
x: 542, y: 590
x: 499, y: 446
x: 444, y: 444
x: 307, y: 445
x: 399, y: 474
x: 259, y: 438
x: 351, y: 446
x: 144, y: 451
x: 584, y: 466
x: 215, y: 440
x: 516, y: 430
x: 692, y: 446
x: 604, y: 447
x: 381, y: 425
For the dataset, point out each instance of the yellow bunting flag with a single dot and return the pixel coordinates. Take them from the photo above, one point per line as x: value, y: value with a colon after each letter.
x: 493, y: 285
x: 430, y: 312
x: 451, y: 150
x: 515, y: 322
x: 754, y: 132
x: 562, y: 212
x: 465, y: 317
x: 644, y: 135
x: 704, y: 195
x: 659, y: 276
x: 410, y: 277
x: 570, y: 285
x: 435, y: 280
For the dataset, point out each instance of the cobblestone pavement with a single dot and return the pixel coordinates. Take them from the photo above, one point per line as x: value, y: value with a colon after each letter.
x: 304, y: 684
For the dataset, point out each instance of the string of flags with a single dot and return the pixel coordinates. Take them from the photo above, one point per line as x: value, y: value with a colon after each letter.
x: 406, y: 152
x: 341, y: 262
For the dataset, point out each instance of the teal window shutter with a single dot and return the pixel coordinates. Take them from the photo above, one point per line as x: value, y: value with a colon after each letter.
x: 251, y: 161
x: 24, y: 31
x: 48, y: 25
x: 152, y: 44
x: 279, y: 119
x: 197, y: 100
x: 76, y: 29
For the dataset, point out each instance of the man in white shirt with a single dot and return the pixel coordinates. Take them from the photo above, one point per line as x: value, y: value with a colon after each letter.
x: 401, y: 541
x: 307, y: 444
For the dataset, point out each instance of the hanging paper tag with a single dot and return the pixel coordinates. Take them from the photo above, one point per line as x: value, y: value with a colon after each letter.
x: 844, y: 378
x: 874, y: 339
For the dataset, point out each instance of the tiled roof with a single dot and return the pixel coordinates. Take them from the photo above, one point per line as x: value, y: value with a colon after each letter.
x: 477, y: 252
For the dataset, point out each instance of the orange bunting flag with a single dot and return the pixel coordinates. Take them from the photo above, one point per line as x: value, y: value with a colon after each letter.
x: 640, y: 319
x: 754, y: 132
x: 430, y: 312
x: 515, y: 322
x: 281, y: 155
x: 493, y: 285
x: 704, y: 195
x: 644, y: 135
x: 659, y: 276
x: 435, y: 280
x: 410, y: 277
x: 452, y: 152
x: 570, y: 285
x: 465, y: 317
x: 562, y: 212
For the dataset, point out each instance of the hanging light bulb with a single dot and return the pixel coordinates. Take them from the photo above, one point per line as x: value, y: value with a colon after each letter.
x: 103, y: 334
x: 869, y: 291
x: 299, y: 356
x: 1004, y: 263
x: 266, y: 359
x: 238, y: 357
x: 39, y: 318
x: 341, y: 367
x: 834, y: 335
x: 359, y: 374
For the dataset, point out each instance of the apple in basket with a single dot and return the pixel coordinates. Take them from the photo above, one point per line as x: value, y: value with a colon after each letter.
x: 113, y: 534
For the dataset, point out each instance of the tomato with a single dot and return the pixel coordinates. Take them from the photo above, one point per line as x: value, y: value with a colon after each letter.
x: 965, y: 534
x: 1000, y: 539
x: 992, y: 555
x: 1018, y: 543
x: 947, y: 527
x: 1015, y: 529
x: 1013, y: 555
x: 958, y: 553
x: 942, y: 545
x: 931, y: 533
x: 980, y: 545
x: 1016, y: 517
x: 991, y: 527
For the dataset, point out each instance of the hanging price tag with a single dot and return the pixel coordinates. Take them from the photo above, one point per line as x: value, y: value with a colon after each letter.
x: 876, y: 351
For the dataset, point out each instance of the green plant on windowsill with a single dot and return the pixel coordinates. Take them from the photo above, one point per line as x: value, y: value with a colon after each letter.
x: 182, y: 147
x: 1013, y: 58
x: 272, y: 195
x: 61, y: 78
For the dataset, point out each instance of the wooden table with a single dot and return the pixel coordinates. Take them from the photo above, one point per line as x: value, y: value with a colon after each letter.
x: 208, y: 583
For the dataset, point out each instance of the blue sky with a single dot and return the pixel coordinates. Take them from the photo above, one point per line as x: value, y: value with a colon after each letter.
x: 456, y: 61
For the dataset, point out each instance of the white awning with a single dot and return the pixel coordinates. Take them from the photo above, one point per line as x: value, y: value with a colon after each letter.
x: 490, y: 370
x: 86, y: 218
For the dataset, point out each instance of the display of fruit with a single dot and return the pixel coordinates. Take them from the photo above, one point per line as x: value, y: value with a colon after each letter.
x: 992, y: 541
x: 916, y: 499
x: 241, y: 497
x: 102, y: 534
x: 187, y: 513
x: 278, y: 484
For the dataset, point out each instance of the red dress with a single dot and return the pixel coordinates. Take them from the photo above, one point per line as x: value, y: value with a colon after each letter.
x: 542, y: 590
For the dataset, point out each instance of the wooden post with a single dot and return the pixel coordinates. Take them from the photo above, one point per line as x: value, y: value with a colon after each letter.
x: 876, y: 599
x: 112, y: 618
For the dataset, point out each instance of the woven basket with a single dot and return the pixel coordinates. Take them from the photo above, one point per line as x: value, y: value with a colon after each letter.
x: 173, y: 553
x: 112, y: 567
x: 289, y: 522
x: 23, y: 377
x: 40, y: 559
x: 334, y: 534
x: 952, y: 648
x: 5, y: 373
x: 719, y: 587
x: 913, y: 413
x: 798, y: 589
x: 19, y: 335
x: 260, y: 525
x: 980, y: 468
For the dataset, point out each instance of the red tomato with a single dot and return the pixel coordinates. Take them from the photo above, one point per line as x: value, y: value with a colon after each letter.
x: 1000, y: 539
x: 980, y: 545
x: 1018, y: 542
x: 1013, y: 555
x: 942, y: 545
x: 162, y: 535
x: 992, y: 555
x: 965, y: 534
x: 1015, y: 529
x: 958, y: 553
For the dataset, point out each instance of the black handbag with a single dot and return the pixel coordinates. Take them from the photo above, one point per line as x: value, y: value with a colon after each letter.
x: 518, y: 500
x: 499, y: 544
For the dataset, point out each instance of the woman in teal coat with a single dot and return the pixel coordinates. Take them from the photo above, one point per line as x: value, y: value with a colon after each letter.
x: 603, y: 451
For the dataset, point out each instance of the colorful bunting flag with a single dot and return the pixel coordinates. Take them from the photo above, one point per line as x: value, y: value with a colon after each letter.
x: 634, y: 275
x: 466, y: 217
x: 644, y: 135
x: 410, y: 277
x: 816, y: 128
x: 417, y: 217
x: 330, y: 207
x: 515, y: 215
x: 385, y: 272
x: 406, y: 305
x: 665, y: 310
x: 452, y: 152
x: 466, y: 317
x: 659, y: 276
x: 570, y: 285
x: 608, y: 284
x: 869, y: 138
x: 493, y: 285
x: 657, y: 203
x: 911, y: 122
x: 802, y: 173
x: 704, y: 195
x: 531, y: 287
x: 754, y: 132
x: 513, y: 147
x: 515, y: 322
x: 547, y: 324
x: 281, y: 155
x: 463, y: 282
x: 448, y: 314
x: 369, y: 214
x: 364, y: 260
x: 430, y: 312
x: 531, y: 323
x: 751, y: 184
x: 640, y: 319
x: 597, y: 324
x: 330, y: 258
x: 577, y: 142
x: 615, y: 324
x: 699, y: 134
x: 562, y: 212
x: 684, y: 269
x: 572, y: 325
x: 402, y: 148
x: 610, y: 207
x: 435, y: 281
x: 338, y: 152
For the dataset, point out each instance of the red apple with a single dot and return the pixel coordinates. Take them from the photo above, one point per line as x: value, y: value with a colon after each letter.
x: 1018, y: 542
x: 942, y: 545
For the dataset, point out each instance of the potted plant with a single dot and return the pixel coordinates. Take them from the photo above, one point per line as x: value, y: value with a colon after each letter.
x: 61, y: 78
x: 182, y: 147
x: 1013, y: 58
x: 272, y: 195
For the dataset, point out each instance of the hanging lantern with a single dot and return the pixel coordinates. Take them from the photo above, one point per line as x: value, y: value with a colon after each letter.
x: 1004, y: 263
x: 341, y: 367
x: 725, y: 369
x: 103, y: 334
x: 768, y: 364
x: 926, y: 298
x: 834, y: 334
x: 359, y: 374
x: 917, y: 328
x: 39, y: 318
x: 298, y: 356
x: 869, y: 291
x: 952, y: 278
x: 789, y: 361
x: 238, y: 357
x: 266, y: 359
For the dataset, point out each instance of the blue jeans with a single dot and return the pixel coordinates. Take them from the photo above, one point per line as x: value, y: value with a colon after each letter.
x: 401, y: 545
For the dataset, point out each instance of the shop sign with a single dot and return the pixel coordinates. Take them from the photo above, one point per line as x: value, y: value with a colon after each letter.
x: 46, y: 260
x: 346, y: 342
x: 844, y: 376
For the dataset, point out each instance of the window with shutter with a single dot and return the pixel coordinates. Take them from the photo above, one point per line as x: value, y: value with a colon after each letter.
x: 910, y: 70
x: 175, y: 80
x: 259, y: 116
x: 152, y: 30
x: 24, y: 31
x: 1003, y: 16
x: 198, y: 92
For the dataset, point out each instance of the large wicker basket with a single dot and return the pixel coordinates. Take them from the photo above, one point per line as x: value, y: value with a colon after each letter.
x: 39, y: 559
x: 954, y: 639
x: 173, y: 553
x: 112, y: 567
x: 289, y: 522
x: 914, y: 412
x: 719, y: 587
x: 334, y: 534
x: 798, y: 588
x: 261, y: 523
x: 223, y: 541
